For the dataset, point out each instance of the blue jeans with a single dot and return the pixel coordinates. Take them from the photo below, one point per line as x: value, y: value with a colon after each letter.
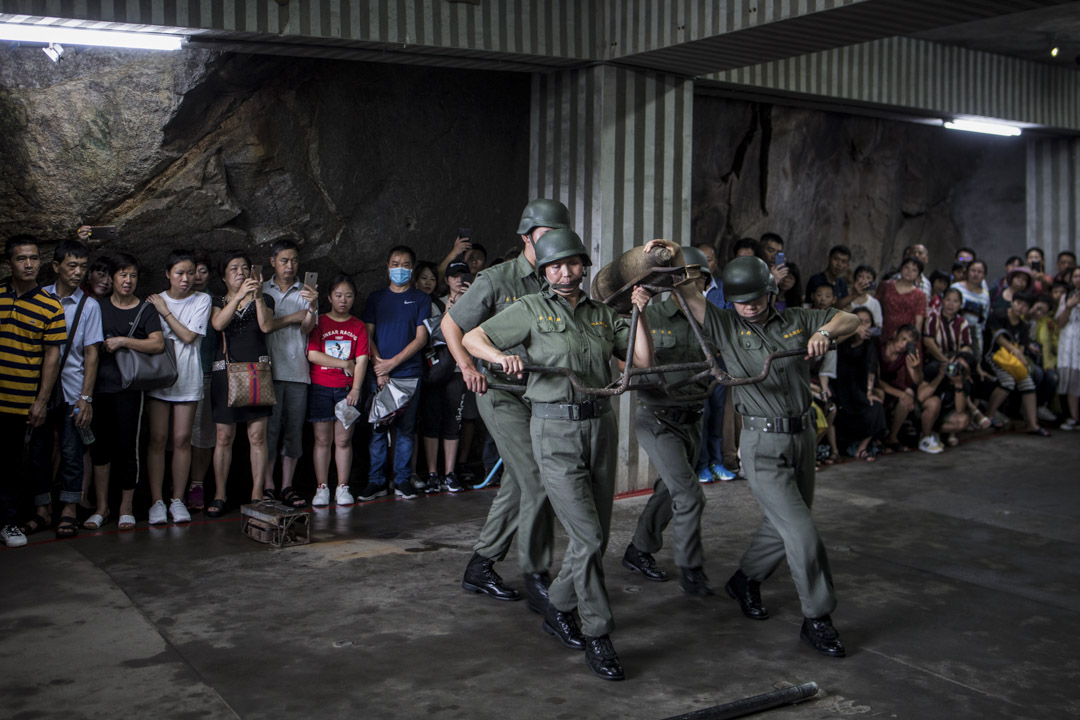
x: 712, y: 430
x: 71, y: 457
x: 405, y: 428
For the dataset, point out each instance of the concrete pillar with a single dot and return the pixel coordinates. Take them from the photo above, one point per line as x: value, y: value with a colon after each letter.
x: 1053, y: 195
x: 614, y: 144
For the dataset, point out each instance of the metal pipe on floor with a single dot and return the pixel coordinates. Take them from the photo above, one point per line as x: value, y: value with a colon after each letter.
x: 757, y: 703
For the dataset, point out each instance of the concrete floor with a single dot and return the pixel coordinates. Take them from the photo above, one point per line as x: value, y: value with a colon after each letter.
x: 958, y: 578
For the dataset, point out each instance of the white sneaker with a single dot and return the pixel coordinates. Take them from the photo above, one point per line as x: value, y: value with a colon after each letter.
x: 158, y: 514
x: 322, y: 497
x: 13, y: 536
x: 1045, y: 414
x: 179, y: 511
x: 343, y: 496
x: 927, y: 445
x: 1070, y: 425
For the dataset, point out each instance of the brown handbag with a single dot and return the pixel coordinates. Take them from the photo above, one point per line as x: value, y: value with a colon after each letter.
x: 250, y: 384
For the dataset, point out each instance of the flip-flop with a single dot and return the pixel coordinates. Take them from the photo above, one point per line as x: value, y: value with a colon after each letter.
x: 215, y: 508
x: 126, y: 522
x: 95, y: 521
x: 1041, y: 432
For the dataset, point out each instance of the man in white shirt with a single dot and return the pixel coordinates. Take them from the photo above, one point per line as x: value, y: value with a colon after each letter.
x: 295, y: 314
x: 71, y: 409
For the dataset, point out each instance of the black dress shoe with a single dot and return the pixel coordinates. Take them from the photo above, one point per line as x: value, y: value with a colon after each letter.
x: 693, y: 581
x: 480, y: 577
x: 564, y: 627
x: 601, y: 658
x: 748, y: 593
x: 536, y: 591
x: 820, y: 634
x: 642, y: 562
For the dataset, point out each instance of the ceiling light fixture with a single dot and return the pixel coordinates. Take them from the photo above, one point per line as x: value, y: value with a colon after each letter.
x: 990, y: 128
x: 57, y: 35
x: 1054, y: 51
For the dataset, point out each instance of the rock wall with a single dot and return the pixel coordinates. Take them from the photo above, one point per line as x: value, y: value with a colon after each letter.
x: 196, y: 149
x: 820, y: 179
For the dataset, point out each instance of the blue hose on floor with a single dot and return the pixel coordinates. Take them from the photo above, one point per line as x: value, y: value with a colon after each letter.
x: 489, y: 476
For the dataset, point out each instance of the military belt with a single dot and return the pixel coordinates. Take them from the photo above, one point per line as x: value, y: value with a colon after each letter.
x: 570, y: 411
x: 787, y: 425
x: 676, y: 415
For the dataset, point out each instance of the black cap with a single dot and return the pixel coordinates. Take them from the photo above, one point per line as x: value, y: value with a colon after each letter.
x: 457, y: 268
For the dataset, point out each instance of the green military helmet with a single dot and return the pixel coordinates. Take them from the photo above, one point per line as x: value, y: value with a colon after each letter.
x: 542, y: 212
x: 558, y: 244
x: 694, y: 256
x: 746, y: 279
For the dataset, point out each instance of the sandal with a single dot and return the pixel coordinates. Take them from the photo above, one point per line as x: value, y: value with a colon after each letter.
x: 37, y: 524
x: 290, y: 497
x: 96, y: 521
x: 269, y: 495
x: 215, y: 508
x: 866, y: 455
x: 68, y: 527
x: 126, y: 522
x: 832, y: 459
x: 1041, y: 432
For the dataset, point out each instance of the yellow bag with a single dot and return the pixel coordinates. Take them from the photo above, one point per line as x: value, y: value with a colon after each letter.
x: 1010, y: 364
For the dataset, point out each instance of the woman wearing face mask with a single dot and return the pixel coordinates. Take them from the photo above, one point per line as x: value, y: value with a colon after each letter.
x: 243, y: 317
x: 573, y: 436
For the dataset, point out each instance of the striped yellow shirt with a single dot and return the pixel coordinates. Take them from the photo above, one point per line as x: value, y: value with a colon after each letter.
x: 27, y: 325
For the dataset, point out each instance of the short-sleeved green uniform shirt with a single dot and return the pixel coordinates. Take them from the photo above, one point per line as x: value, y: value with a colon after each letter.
x: 744, y: 345
x: 494, y: 290
x: 673, y: 343
x: 553, y: 333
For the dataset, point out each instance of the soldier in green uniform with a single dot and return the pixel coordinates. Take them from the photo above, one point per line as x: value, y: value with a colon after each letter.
x: 777, y: 438
x: 573, y: 436
x: 521, y: 505
x: 669, y: 429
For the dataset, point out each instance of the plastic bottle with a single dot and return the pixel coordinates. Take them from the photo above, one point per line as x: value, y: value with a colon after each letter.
x: 85, y: 433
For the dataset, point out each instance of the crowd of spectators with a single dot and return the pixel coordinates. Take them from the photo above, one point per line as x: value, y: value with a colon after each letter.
x: 934, y: 356
x: 937, y: 354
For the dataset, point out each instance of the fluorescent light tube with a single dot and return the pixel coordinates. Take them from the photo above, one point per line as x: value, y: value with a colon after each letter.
x: 989, y: 128
x: 58, y: 35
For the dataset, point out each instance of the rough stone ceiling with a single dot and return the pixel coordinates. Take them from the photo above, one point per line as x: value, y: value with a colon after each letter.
x: 1027, y: 35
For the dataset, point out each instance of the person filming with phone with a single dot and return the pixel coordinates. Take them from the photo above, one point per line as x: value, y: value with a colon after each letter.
x: 900, y: 375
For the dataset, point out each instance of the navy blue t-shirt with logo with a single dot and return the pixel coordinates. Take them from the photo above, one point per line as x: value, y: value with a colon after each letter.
x: 396, y: 317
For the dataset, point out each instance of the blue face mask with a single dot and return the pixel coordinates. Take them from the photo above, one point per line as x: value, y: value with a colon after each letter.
x: 400, y: 275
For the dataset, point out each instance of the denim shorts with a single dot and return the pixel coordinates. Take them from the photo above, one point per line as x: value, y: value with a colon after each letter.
x: 321, y: 401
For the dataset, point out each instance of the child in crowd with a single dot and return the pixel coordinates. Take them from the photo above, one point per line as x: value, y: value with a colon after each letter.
x: 184, y: 317
x: 939, y: 283
x: 338, y: 352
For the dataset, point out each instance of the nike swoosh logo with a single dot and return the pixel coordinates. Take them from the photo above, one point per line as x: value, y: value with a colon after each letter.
x: 410, y: 302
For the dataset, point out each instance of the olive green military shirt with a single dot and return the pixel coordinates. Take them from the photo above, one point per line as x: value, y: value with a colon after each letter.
x: 673, y: 343
x: 744, y: 345
x: 580, y: 338
x: 491, y: 292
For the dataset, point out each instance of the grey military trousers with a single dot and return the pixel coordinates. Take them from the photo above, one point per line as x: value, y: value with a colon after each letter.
x: 521, y: 506
x: 677, y: 497
x: 577, y: 465
x: 780, y: 470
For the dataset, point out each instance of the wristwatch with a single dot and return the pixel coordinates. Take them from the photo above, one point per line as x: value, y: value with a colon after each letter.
x: 825, y: 332
x: 88, y: 398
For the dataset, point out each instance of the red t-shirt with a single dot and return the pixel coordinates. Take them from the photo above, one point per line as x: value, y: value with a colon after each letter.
x: 346, y: 340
